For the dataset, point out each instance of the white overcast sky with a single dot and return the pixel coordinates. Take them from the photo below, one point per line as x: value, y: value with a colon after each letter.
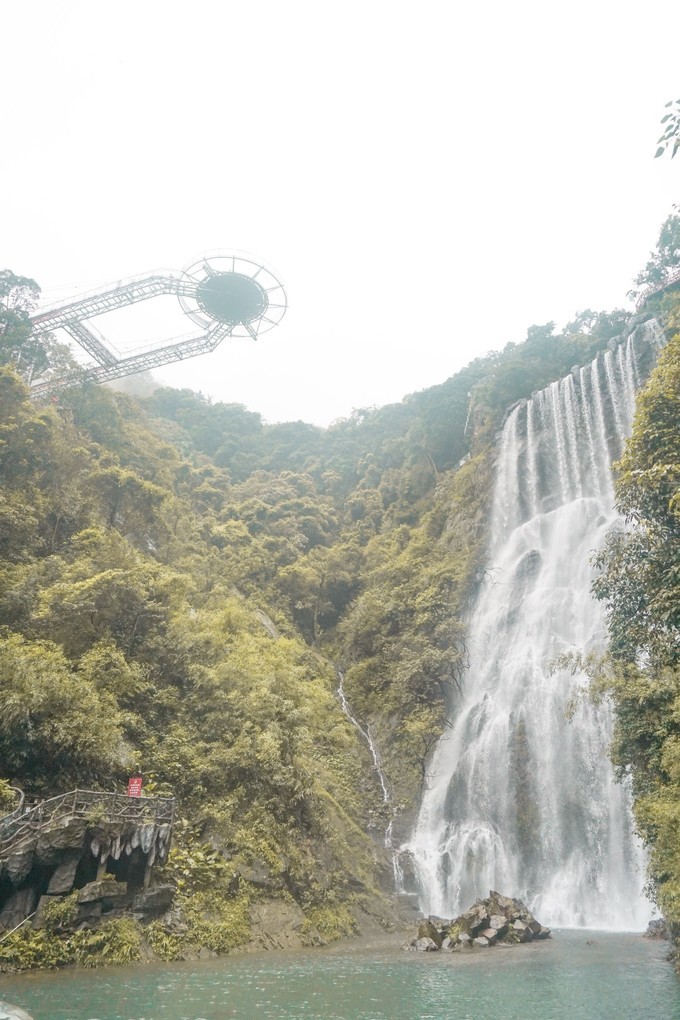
x: 428, y: 178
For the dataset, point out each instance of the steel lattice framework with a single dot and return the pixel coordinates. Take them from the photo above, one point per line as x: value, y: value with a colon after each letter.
x: 226, y: 295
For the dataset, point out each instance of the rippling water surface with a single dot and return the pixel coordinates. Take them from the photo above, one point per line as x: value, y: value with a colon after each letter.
x: 575, y: 975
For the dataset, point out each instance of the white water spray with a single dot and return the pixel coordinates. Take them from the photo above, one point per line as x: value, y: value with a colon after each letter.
x: 521, y: 799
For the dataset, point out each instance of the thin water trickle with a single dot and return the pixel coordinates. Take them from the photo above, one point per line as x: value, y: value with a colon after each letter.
x: 523, y: 800
x: 367, y: 736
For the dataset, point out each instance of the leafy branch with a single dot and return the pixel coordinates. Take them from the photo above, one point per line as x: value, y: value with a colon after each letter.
x: 671, y: 132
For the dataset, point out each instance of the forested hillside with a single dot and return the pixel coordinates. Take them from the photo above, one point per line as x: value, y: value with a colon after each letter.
x: 181, y: 585
x: 640, y: 586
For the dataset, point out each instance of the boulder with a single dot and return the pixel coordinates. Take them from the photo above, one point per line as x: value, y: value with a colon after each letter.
x: 427, y: 930
x: 50, y: 843
x: 656, y: 929
x: 520, y: 929
x: 154, y: 901
x: 62, y: 879
x: 481, y: 941
x: 18, y: 907
x: 104, y: 889
x: 505, y: 905
x: 499, y: 924
x: 18, y: 866
x: 426, y: 945
x: 474, y: 919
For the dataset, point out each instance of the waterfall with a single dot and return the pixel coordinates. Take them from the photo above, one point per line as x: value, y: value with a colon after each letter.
x: 520, y: 798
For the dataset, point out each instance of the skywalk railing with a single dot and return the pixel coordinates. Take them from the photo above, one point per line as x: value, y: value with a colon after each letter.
x: 96, y: 806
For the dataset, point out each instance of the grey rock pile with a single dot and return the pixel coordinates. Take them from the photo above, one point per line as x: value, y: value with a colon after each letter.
x: 497, y: 920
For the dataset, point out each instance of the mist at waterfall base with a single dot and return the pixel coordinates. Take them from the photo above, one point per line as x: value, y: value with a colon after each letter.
x: 520, y: 798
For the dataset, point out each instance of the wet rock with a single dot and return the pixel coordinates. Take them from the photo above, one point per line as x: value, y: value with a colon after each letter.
x: 521, y: 931
x: 147, y: 835
x: 8, y: 1012
x: 656, y: 929
x: 104, y: 889
x: 427, y: 930
x: 440, y: 923
x: 426, y: 945
x: 497, y: 920
x: 505, y: 905
x: 18, y: 907
x: 18, y: 866
x: 499, y: 924
x: 154, y: 901
x: 62, y: 879
x: 474, y: 919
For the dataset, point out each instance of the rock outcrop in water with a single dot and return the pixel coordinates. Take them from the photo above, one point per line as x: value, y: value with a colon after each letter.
x: 497, y: 920
x: 8, y: 1012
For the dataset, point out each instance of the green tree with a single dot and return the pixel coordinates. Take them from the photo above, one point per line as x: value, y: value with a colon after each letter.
x: 665, y: 260
x: 56, y: 729
x: 640, y: 586
x: 640, y: 578
x: 30, y: 355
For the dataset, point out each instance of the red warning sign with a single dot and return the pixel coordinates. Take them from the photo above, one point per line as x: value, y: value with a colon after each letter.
x: 135, y: 786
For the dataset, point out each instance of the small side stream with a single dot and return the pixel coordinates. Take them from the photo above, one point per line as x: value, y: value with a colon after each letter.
x: 367, y: 736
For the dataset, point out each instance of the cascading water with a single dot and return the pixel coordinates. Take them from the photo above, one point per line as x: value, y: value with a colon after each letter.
x: 521, y: 799
x: 382, y: 778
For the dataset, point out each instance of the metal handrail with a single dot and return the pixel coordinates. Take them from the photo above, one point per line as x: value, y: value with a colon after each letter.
x: 19, y: 925
x: 78, y: 803
x: 657, y: 288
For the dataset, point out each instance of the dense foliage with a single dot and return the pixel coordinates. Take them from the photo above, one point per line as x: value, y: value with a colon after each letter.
x: 640, y: 585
